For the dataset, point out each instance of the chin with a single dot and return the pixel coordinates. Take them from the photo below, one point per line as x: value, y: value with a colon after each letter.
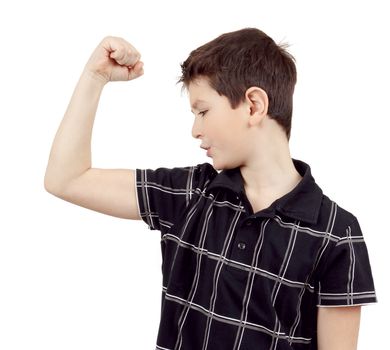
x: 223, y: 166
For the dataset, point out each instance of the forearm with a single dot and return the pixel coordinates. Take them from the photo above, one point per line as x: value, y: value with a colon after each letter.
x: 70, y: 154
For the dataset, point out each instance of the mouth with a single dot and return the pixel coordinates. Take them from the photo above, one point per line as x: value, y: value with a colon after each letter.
x: 206, y: 149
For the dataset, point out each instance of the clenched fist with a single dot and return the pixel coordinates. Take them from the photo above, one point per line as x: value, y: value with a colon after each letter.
x: 115, y: 59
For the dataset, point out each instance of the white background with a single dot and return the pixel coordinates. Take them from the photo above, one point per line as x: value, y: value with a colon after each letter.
x: 72, y: 278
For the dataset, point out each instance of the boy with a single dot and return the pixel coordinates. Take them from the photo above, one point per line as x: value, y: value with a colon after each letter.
x: 254, y: 256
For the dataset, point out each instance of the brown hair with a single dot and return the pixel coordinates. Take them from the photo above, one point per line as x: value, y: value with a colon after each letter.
x: 237, y: 60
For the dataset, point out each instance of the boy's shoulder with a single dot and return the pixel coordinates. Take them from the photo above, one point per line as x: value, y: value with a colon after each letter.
x: 345, y: 223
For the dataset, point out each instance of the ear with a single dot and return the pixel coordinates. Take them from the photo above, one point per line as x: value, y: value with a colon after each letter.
x: 257, y: 101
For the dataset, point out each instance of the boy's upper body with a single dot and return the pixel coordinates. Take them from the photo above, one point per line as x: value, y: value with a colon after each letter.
x: 253, y: 254
x: 238, y: 279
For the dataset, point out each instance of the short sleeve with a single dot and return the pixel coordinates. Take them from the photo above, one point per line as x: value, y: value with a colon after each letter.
x: 346, y: 278
x: 163, y: 194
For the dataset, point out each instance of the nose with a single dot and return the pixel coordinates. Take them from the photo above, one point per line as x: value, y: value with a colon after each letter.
x: 196, y: 129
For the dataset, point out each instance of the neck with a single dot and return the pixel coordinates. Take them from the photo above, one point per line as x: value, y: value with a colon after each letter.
x: 271, y: 172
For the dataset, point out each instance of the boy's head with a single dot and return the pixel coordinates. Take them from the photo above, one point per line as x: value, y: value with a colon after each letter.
x: 236, y: 61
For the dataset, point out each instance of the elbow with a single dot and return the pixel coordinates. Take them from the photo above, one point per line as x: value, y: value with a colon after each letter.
x: 51, y: 186
x: 48, y: 187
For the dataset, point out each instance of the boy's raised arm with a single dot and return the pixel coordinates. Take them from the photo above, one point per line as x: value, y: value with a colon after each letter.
x: 69, y: 174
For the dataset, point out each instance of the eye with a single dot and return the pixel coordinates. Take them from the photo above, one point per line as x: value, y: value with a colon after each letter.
x: 203, y: 113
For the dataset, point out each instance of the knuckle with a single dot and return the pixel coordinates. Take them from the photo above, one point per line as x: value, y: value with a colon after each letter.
x: 108, y: 38
x: 121, y: 54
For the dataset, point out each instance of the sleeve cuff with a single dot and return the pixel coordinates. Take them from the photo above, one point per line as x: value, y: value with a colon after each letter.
x: 136, y: 192
x: 346, y: 299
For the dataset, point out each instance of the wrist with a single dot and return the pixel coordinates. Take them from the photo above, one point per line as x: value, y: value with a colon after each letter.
x: 95, y: 77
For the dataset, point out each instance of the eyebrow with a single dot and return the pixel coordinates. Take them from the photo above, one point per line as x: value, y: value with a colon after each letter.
x: 195, y: 105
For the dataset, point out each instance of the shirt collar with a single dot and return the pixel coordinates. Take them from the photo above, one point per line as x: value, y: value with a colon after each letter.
x: 303, y: 202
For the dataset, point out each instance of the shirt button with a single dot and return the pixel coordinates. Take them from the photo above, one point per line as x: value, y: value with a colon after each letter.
x: 241, y: 245
x: 248, y: 223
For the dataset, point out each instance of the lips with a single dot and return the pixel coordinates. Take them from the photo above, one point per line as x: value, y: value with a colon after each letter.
x: 206, y: 149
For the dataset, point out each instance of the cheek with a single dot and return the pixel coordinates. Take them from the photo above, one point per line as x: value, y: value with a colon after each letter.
x: 226, y: 129
x: 234, y: 129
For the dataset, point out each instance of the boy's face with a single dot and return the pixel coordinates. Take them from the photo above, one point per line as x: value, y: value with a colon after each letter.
x: 220, y: 128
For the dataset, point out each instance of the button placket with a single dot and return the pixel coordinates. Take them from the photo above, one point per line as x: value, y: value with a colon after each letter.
x: 244, y: 241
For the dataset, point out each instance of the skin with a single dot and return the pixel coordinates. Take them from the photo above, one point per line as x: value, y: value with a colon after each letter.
x: 248, y: 138
x: 338, y: 327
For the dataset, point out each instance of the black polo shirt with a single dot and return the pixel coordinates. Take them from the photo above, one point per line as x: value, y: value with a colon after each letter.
x: 234, y: 279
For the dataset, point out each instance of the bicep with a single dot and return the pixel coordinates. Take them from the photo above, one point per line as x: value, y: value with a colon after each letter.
x: 108, y: 191
x: 338, y: 327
